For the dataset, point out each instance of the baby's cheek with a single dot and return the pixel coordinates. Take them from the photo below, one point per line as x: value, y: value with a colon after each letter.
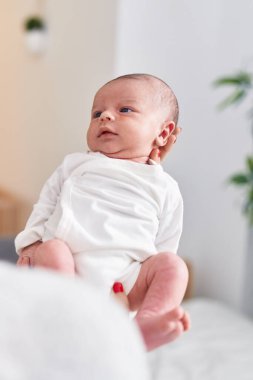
x: 90, y: 138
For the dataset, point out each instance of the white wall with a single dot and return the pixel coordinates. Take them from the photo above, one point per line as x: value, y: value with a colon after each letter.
x: 44, y: 106
x: 45, y: 101
x: 189, y: 44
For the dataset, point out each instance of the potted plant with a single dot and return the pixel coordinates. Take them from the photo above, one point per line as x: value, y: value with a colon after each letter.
x: 241, y: 85
x: 35, y: 30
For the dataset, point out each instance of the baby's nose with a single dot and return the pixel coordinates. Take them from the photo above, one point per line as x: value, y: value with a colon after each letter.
x: 106, y: 115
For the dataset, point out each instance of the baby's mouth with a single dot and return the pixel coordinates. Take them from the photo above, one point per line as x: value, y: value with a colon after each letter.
x: 106, y: 133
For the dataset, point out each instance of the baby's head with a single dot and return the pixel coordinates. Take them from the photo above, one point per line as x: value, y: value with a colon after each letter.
x: 132, y: 115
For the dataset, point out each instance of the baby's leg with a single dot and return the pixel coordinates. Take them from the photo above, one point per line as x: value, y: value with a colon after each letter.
x: 157, y: 294
x: 54, y: 254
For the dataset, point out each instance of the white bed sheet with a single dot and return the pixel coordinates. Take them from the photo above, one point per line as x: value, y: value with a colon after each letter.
x: 219, y: 346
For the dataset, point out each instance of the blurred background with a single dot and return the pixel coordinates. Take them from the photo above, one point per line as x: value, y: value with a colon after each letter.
x: 45, y: 101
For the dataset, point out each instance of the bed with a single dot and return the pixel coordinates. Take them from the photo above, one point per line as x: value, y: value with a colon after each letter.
x: 219, y: 346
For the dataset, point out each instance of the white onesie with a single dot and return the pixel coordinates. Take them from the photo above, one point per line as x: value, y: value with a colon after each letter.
x: 112, y: 213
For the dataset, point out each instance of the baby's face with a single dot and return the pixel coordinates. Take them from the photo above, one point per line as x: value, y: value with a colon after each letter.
x: 125, y: 119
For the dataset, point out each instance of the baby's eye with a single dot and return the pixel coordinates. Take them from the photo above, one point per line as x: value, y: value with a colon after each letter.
x: 126, y: 110
x: 97, y: 114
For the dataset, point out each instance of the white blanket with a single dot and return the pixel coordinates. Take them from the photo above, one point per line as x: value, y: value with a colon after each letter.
x: 218, y: 347
x: 53, y: 327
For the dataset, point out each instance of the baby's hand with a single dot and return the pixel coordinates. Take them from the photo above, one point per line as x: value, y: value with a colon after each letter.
x: 27, y: 255
x: 159, y: 154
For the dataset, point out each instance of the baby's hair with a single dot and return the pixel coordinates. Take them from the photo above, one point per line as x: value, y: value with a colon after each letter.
x: 167, y: 96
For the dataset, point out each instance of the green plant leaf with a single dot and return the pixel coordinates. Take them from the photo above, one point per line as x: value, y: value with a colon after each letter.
x: 241, y: 85
x: 250, y: 196
x: 248, y: 207
x: 239, y: 179
x: 34, y: 23
x: 243, y: 78
x: 236, y: 97
x: 249, y: 163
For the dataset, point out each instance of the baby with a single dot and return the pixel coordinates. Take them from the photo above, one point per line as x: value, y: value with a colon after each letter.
x: 114, y: 212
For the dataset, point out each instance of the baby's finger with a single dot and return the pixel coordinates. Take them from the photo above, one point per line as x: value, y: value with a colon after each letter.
x: 177, y: 131
x: 186, y: 321
x: 155, y: 155
x: 24, y: 261
x: 166, y: 148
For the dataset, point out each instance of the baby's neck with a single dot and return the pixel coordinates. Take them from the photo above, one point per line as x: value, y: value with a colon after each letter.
x: 141, y: 160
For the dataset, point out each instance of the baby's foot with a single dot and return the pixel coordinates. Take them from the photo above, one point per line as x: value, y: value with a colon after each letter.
x: 162, y: 329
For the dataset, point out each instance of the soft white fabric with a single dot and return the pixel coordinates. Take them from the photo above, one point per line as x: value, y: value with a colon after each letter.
x: 219, y: 346
x: 57, y: 328
x: 118, y: 212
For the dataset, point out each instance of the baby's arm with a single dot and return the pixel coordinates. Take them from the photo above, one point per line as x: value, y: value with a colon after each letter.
x: 43, y: 209
x: 34, y: 228
x: 170, y: 224
x: 30, y: 239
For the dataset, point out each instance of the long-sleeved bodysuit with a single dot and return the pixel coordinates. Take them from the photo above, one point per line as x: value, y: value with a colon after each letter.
x: 112, y: 213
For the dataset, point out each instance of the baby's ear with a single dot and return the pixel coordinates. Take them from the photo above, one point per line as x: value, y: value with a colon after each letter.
x: 167, y: 130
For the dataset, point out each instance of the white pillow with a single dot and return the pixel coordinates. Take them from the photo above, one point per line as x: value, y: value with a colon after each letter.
x: 54, y: 327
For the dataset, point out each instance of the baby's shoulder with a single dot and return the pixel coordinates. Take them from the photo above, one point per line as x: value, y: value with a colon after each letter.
x: 169, y: 181
x: 75, y: 157
x: 72, y: 161
x: 171, y: 190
